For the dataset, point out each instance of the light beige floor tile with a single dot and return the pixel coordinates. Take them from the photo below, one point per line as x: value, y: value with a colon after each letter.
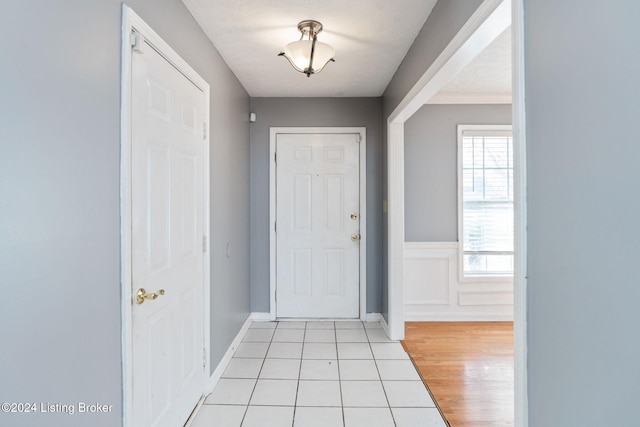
x: 258, y: 335
x: 292, y: 325
x: 351, y: 335
x: 268, y: 416
x: 397, y: 370
x: 353, y: 370
x: 320, y: 325
x: 369, y: 417
x: 319, y: 351
x: 407, y: 394
x: 318, y: 417
x: 219, y: 415
x: 363, y: 394
x: 354, y: 351
x: 412, y: 417
x: 378, y: 335
x: 263, y: 325
x: 348, y: 324
x: 280, y: 369
x: 288, y: 335
x: 285, y: 350
x: 388, y: 350
x: 319, y: 370
x: 253, y: 350
x: 243, y: 368
x: 231, y: 391
x: 319, y: 393
x: 274, y: 393
x: 320, y: 335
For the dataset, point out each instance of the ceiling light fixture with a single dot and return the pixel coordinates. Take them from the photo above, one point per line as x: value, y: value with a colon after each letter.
x: 308, y: 55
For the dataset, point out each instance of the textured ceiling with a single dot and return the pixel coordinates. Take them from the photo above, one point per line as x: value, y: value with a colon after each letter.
x: 488, y: 75
x: 371, y: 37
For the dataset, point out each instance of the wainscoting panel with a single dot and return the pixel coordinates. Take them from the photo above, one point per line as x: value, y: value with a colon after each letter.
x: 433, y: 291
x: 431, y: 276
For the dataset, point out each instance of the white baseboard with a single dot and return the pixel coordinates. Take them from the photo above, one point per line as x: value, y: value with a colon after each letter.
x: 266, y: 317
x: 458, y: 317
x: 261, y: 317
x: 384, y: 324
x: 372, y: 317
x: 217, y: 373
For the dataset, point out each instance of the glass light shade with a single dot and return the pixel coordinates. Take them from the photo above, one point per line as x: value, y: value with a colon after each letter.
x: 299, y: 52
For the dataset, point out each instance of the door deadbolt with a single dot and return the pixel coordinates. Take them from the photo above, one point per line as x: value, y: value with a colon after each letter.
x: 354, y: 216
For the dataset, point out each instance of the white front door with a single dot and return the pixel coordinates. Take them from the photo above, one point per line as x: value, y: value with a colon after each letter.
x: 317, y: 225
x: 167, y: 228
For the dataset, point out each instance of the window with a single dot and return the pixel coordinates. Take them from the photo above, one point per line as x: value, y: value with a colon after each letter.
x: 485, y: 200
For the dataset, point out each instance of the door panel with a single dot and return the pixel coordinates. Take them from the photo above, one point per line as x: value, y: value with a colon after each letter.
x: 317, y: 191
x: 167, y: 225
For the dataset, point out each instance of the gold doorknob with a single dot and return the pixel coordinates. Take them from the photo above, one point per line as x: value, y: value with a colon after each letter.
x: 354, y: 216
x: 143, y: 295
x: 355, y: 237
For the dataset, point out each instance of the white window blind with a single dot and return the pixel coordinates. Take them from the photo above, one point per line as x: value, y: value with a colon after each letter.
x: 486, y: 177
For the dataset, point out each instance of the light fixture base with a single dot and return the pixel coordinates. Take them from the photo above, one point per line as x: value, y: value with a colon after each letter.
x: 310, y: 27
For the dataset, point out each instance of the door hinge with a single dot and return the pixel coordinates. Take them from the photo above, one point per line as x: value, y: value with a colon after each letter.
x: 136, y: 40
x: 359, y: 138
x: 275, y: 226
x: 204, y: 357
x: 204, y: 131
x: 275, y: 157
x: 204, y: 244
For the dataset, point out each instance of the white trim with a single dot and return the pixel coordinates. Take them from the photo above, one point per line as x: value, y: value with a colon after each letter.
x: 395, y: 220
x: 490, y: 19
x: 373, y: 317
x: 131, y: 21
x: 453, y: 300
x: 457, y: 317
x: 427, y: 86
x: 520, y: 216
x: 477, y: 298
x: 194, y: 413
x: 125, y: 209
x: 472, y: 130
x: 261, y: 317
x: 224, y: 362
x: 363, y: 207
x: 421, y: 246
x: 385, y: 326
x: 461, y: 98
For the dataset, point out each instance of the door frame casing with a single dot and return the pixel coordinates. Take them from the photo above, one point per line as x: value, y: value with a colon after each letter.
x: 131, y: 21
x: 273, y: 132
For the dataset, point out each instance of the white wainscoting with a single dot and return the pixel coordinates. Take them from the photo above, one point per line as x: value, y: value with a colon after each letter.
x: 433, y: 291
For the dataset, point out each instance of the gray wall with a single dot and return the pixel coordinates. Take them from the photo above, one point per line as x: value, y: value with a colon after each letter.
x: 60, y: 214
x: 582, y: 91
x: 444, y: 22
x: 431, y: 170
x: 310, y: 112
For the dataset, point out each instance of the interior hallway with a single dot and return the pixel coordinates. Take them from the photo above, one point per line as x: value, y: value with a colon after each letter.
x: 468, y: 366
x: 321, y: 373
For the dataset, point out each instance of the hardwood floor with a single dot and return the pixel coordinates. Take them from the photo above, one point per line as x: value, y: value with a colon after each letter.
x: 468, y: 367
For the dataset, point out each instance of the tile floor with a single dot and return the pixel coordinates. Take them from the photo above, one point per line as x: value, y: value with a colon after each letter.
x: 325, y: 374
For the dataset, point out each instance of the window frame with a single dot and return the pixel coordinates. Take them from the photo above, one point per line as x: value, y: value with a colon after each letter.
x: 466, y: 277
